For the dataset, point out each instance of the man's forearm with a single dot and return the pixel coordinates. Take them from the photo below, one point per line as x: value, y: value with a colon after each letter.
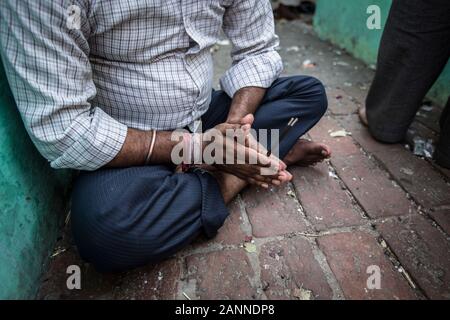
x: 137, y: 145
x: 245, y: 101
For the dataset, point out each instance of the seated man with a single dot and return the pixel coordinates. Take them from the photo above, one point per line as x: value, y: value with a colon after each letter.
x: 103, y: 93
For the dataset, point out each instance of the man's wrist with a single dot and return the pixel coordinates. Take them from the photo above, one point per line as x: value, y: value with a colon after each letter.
x: 234, y: 120
x: 237, y: 114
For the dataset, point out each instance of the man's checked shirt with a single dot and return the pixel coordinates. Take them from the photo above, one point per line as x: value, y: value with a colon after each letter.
x: 143, y: 64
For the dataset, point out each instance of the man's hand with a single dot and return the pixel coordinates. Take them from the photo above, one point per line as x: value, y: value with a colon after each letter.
x: 242, y: 156
x: 245, y: 103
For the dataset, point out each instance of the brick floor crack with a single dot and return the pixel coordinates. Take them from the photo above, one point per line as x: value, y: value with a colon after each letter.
x: 396, y: 263
x: 253, y: 257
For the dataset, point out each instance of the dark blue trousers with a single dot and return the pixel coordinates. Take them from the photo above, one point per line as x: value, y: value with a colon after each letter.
x: 125, y: 218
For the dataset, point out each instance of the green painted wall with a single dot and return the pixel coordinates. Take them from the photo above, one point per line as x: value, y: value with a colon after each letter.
x: 343, y: 22
x: 32, y: 204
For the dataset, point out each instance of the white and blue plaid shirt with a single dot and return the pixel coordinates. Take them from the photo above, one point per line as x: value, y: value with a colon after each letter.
x: 132, y: 63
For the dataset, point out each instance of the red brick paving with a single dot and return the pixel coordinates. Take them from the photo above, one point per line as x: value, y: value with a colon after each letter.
x: 316, y: 242
x: 273, y: 212
x: 158, y: 281
x: 423, y: 250
x: 415, y: 175
x: 340, y: 103
x: 153, y: 282
x: 372, y: 187
x: 288, y: 268
x: 324, y: 198
x: 221, y: 275
x: 350, y: 255
x: 341, y: 146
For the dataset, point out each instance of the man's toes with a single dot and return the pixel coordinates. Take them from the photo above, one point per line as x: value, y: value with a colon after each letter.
x: 326, y: 150
x: 320, y: 150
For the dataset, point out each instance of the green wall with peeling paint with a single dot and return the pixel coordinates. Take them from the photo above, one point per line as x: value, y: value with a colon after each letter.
x: 32, y: 204
x: 343, y: 22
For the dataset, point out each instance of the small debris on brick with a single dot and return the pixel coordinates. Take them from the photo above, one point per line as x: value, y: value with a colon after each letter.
x: 291, y: 194
x: 293, y: 49
x: 423, y: 148
x: 58, y: 251
x: 302, y: 294
x: 186, y: 296
x: 407, y: 171
x: 421, y: 114
x: 340, y: 133
x: 250, y: 247
x: 308, y: 64
x: 340, y: 63
x: 66, y: 221
x: 333, y: 175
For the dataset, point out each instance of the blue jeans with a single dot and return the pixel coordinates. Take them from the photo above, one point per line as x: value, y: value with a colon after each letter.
x: 128, y: 217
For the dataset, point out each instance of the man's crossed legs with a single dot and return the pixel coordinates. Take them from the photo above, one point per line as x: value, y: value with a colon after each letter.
x: 125, y: 218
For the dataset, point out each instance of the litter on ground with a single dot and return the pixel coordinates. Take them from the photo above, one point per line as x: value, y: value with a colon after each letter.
x: 340, y: 133
x: 293, y: 49
x: 302, y: 294
x: 308, y: 64
x: 423, y: 148
x: 250, y: 247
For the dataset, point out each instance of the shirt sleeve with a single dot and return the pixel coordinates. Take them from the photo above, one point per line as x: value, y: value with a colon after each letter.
x: 249, y: 24
x: 45, y: 55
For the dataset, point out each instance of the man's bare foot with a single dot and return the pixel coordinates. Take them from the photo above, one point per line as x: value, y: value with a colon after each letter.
x: 229, y: 185
x: 363, y: 116
x: 307, y: 153
x: 286, y: 12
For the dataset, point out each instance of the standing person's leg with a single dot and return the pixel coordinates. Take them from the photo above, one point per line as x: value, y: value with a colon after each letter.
x: 414, y: 49
x: 442, y: 154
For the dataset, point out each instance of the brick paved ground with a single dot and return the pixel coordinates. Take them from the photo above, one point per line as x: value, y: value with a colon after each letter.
x: 372, y: 204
